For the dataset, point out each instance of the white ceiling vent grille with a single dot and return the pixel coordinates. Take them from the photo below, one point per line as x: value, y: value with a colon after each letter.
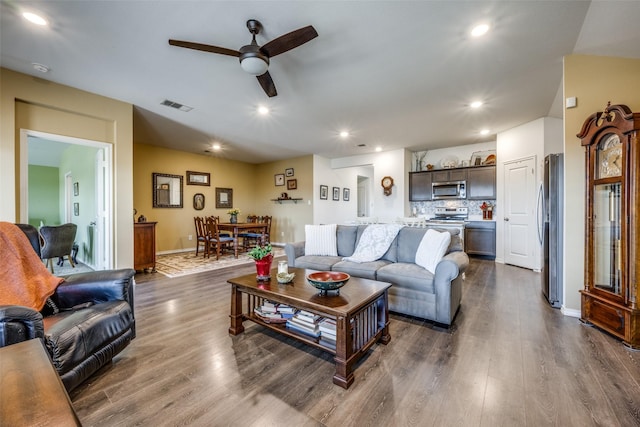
x: 176, y: 105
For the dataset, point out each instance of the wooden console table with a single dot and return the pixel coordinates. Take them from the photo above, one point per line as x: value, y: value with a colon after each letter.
x: 32, y: 392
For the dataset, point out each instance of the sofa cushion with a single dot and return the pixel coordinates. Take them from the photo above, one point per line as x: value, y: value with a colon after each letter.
x: 320, y: 240
x: 432, y: 248
x: 75, y: 335
x: 317, y: 262
x: 366, y: 270
x: 407, y: 275
x: 346, y: 236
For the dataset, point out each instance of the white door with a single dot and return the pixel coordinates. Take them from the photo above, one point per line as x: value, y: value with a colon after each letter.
x: 520, y: 238
x: 101, y: 224
x: 363, y: 197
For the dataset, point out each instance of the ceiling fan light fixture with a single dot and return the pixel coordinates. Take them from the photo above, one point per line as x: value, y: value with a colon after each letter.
x: 254, y: 65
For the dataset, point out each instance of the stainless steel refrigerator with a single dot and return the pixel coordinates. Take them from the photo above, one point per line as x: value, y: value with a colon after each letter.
x: 551, y: 207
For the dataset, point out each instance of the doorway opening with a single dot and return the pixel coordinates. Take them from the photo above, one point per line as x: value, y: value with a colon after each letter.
x: 80, y: 172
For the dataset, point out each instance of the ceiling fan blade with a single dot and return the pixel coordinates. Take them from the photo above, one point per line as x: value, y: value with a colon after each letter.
x: 289, y: 41
x: 267, y: 84
x: 204, y: 47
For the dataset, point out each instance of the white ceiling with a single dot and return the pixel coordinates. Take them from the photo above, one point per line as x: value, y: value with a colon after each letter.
x: 394, y: 73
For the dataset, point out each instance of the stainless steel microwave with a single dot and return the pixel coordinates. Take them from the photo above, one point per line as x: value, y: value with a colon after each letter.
x: 449, y: 190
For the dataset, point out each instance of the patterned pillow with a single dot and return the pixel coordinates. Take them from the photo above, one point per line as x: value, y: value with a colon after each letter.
x: 432, y: 248
x: 320, y: 240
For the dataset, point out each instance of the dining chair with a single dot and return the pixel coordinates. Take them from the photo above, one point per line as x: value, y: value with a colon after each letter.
x: 216, y: 241
x: 202, y: 235
x: 57, y: 241
x: 251, y: 237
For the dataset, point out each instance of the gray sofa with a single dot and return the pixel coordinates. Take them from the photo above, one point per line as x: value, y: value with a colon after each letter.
x: 415, y: 291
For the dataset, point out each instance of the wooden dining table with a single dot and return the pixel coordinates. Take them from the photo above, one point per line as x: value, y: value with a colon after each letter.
x: 240, y: 227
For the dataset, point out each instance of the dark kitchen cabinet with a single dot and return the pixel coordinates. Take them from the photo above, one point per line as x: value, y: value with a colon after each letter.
x: 480, y: 238
x: 419, y: 186
x: 481, y: 183
x: 448, y: 175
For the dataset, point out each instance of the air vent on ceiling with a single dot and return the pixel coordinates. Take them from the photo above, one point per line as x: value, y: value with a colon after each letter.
x: 176, y: 105
x: 362, y: 145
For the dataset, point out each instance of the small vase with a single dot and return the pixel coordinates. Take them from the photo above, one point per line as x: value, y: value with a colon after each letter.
x: 233, y: 219
x: 263, y: 267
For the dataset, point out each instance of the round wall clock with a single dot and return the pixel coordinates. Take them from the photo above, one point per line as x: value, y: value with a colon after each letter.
x: 387, y: 183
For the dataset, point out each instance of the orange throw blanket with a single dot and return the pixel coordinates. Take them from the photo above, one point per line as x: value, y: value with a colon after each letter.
x: 24, y: 279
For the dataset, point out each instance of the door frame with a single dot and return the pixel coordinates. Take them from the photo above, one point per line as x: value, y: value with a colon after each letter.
x: 104, y: 238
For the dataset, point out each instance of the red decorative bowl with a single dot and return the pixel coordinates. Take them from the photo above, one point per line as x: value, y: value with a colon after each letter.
x: 328, y: 280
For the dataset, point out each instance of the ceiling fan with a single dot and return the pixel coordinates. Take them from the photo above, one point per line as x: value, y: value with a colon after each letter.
x: 254, y: 59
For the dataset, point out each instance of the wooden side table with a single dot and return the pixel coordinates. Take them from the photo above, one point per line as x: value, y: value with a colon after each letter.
x: 32, y: 392
x: 144, y: 246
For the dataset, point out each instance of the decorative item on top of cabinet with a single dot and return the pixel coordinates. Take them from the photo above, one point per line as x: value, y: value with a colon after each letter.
x: 612, y: 271
x: 144, y: 246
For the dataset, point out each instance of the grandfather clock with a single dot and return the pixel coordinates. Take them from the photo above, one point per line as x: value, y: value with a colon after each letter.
x: 610, y: 298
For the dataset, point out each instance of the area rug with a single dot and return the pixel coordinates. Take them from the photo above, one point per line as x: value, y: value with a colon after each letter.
x: 67, y: 270
x: 184, y: 263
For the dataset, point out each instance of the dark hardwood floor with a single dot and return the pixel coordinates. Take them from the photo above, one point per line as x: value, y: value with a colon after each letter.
x: 510, y: 359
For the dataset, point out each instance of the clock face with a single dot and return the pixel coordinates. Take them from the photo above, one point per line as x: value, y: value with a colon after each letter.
x: 609, y: 160
x: 387, y: 182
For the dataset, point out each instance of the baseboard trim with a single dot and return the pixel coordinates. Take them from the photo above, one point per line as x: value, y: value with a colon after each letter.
x: 570, y: 312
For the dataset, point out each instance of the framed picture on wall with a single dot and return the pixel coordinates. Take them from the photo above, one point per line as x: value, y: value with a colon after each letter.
x: 224, y: 198
x: 198, y: 178
x: 76, y: 209
x: 324, y: 192
x: 288, y: 172
x: 345, y: 194
x: 279, y: 179
x: 336, y: 193
x: 292, y: 184
x: 76, y: 189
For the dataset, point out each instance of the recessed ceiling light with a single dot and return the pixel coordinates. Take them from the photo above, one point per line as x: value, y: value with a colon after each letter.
x: 34, y: 19
x: 476, y: 104
x: 344, y: 134
x: 216, y: 147
x: 479, y: 30
x: 40, y: 67
x: 263, y: 110
x: 484, y: 132
x: 378, y: 149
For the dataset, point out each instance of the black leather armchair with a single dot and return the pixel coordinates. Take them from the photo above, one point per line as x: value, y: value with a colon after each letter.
x: 87, y: 321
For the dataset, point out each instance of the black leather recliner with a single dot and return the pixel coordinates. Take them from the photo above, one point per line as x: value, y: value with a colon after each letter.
x: 94, y: 323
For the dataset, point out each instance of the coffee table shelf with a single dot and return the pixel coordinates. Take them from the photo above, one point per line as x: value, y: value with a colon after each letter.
x: 360, y: 311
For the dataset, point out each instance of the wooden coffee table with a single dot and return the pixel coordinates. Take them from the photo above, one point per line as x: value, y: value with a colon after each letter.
x: 360, y: 310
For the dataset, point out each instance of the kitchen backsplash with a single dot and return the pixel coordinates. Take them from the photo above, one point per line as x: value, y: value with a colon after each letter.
x: 428, y: 208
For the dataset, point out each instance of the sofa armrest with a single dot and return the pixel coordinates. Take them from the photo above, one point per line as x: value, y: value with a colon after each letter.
x: 18, y: 323
x: 447, y: 283
x: 96, y: 287
x: 293, y: 251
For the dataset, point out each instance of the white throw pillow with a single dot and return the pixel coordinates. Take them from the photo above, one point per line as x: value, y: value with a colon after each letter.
x: 320, y: 240
x: 432, y: 248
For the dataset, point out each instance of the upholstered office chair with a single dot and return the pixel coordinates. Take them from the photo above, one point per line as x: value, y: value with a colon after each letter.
x: 57, y: 241
x: 216, y: 241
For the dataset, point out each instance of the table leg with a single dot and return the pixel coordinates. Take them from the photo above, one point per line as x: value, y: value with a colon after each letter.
x: 344, y: 369
x: 384, y: 302
x: 236, y: 311
x: 235, y: 241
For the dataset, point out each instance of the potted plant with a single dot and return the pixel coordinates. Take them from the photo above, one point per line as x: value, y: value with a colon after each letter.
x: 233, y: 218
x: 263, y: 256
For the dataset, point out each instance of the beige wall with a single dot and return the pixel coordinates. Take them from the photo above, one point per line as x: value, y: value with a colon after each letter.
x: 35, y: 104
x: 174, y: 224
x: 289, y: 218
x: 594, y: 81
